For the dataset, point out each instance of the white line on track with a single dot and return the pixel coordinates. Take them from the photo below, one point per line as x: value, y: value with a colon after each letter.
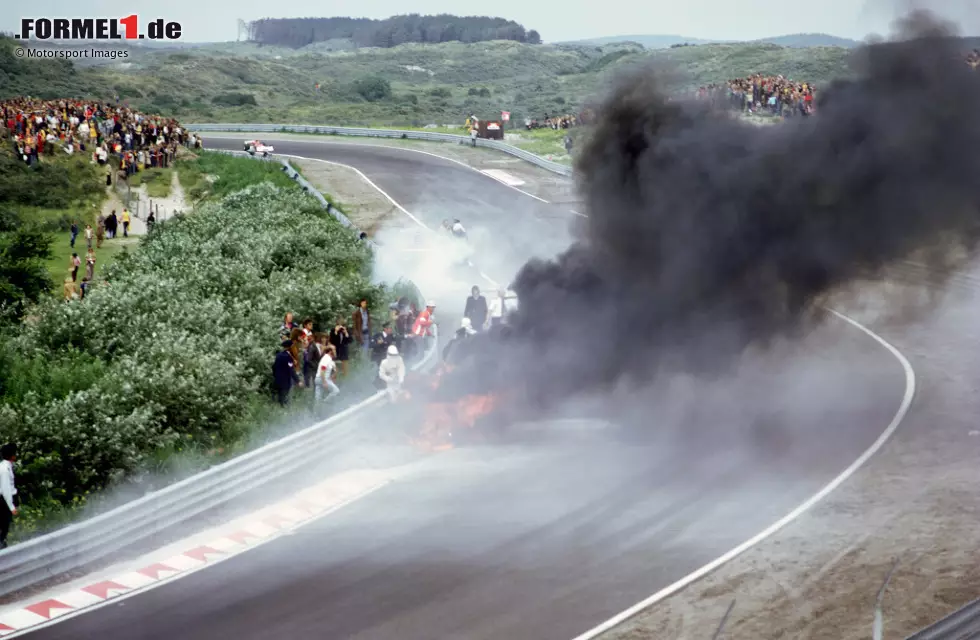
x: 793, y: 515
x: 778, y: 525
x: 367, y: 180
x: 408, y: 213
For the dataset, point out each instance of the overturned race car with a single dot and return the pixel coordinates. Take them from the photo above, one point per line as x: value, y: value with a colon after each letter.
x: 258, y: 147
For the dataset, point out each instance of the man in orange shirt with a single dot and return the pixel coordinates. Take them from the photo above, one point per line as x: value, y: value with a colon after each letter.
x: 422, y: 329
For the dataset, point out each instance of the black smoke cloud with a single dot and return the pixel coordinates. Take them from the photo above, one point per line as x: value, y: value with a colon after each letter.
x: 707, y: 235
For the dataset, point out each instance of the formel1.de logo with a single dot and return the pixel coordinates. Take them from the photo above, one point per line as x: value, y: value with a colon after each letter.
x: 128, y: 28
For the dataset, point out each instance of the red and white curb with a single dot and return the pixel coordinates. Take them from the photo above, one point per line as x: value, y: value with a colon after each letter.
x: 238, y: 536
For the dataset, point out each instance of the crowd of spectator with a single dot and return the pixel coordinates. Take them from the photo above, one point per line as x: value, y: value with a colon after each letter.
x: 566, y: 121
x: 101, y: 129
x: 762, y: 95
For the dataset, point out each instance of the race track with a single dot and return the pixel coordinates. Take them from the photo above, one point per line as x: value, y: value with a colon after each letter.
x: 539, y: 541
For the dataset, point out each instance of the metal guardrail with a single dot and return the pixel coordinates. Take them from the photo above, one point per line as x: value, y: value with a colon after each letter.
x: 534, y: 159
x: 305, y: 184
x: 40, y: 559
x: 962, y: 624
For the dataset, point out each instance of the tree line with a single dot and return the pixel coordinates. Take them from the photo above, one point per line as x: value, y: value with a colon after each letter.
x: 390, y: 32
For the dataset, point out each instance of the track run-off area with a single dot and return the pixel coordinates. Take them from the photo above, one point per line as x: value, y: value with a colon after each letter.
x: 556, y: 538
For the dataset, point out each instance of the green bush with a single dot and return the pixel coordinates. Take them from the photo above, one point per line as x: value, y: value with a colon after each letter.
x: 172, y: 351
x: 441, y: 92
x: 373, y: 88
x: 51, y: 184
x: 234, y: 99
x: 24, y: 278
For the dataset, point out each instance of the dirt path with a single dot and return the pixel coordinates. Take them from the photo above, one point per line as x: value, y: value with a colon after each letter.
x: 163, y: 208
x: 917, y: 500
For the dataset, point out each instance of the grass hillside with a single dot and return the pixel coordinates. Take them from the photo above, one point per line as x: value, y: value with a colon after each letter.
x: 412, y: 84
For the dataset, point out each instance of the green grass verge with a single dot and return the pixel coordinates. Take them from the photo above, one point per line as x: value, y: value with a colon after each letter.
x: 59, y: 266
x: 157, y: 181
x: 212, y: 176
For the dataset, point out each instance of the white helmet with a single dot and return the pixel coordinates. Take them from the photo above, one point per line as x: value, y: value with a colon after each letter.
x: 467, y: 323
x: 431, y: 303
x: 392, y: 350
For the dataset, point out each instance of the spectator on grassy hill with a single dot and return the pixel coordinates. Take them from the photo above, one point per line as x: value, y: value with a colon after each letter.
x: 150, y: 221
x: 125, y: 222
x: 68, y: 289
x: 758, y: 93
x: 75, y: 263
x: 110, y: 225
x: 284, y: 373
x: 74, y: 232
x: 88, y: 237
x: 100, y: 232
x: 90, y: 265
x: 79, y: 123
x: 361, y: 324
x: 8, y: 491
x: 340, y: 339
x: 476, y: 308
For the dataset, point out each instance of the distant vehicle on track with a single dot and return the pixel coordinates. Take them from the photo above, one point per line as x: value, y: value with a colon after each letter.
x: 257, y: 146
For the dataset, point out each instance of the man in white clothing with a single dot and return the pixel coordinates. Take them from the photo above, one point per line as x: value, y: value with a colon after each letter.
x: 392, y: 371
x: 7, y: 491
x: 325, y: 375
x: 497, y: 310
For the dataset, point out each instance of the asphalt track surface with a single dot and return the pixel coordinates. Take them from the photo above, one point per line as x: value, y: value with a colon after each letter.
x: 539, y: 540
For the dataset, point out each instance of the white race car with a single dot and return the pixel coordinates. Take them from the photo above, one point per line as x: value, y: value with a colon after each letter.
x: 257, y: 146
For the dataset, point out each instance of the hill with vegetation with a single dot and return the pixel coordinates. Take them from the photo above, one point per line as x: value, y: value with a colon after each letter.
x: 660, y: 41
x: 647, y: 40
x: 412, y: 84
x: 390, y: 32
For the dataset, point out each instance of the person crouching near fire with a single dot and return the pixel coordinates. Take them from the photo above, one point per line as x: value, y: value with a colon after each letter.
x: 392, y: 371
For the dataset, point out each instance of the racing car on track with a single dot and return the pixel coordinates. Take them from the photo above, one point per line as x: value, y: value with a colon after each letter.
x: 257, y: 146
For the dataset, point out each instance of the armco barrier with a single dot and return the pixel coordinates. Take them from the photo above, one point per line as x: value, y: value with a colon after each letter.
x: 45, y: 557
x: 386, y: 133
x: 959, y: 625
x: 305, y: 184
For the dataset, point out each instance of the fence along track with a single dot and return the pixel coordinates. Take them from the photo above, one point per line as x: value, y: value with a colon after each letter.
x: 76, y: 546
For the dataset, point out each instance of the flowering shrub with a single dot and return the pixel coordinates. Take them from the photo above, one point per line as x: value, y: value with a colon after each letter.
x: 176, y: 344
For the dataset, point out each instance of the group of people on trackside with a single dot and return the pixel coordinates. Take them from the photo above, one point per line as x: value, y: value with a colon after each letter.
x: 308, y: 359
x: 479, y: 315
